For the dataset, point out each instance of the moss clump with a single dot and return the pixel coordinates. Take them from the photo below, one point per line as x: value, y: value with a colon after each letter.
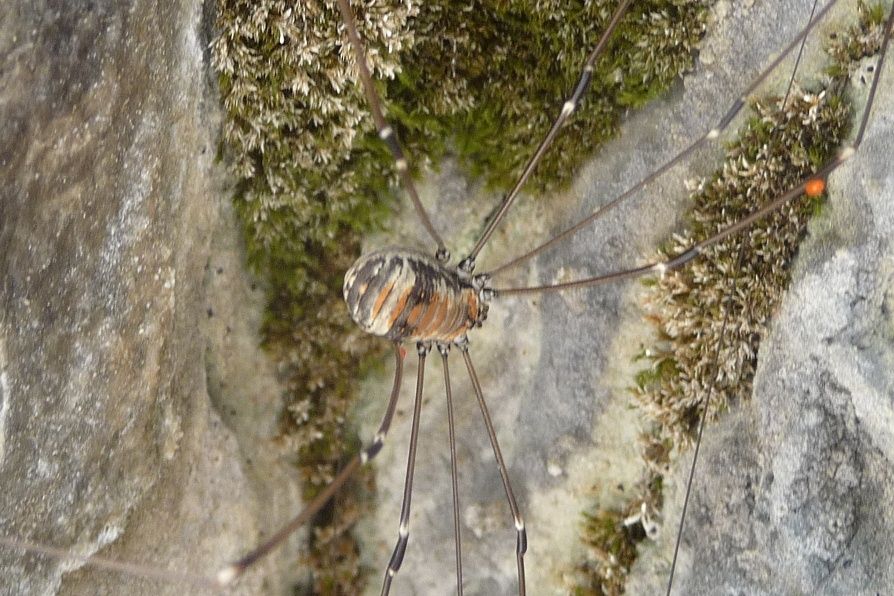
x: 506, y: 67
x: 611, y: 536
x: 307, y: 188
x: 711, y: 315
x: 454, y: 76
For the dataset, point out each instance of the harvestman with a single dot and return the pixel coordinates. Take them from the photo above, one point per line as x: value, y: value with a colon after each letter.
x: 408, y: 296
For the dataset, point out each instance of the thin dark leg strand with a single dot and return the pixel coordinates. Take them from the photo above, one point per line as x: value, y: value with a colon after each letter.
x: 710, y: 135
x: 226, y: 575
x: 521, y: 544
x: 403, y: 531
x: 454, y: 476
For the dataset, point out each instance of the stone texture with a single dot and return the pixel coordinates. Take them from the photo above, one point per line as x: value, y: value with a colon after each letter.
x: 801, y: 479
x: 793, y: 491
x: 134, y: 406
x: 134, y: 403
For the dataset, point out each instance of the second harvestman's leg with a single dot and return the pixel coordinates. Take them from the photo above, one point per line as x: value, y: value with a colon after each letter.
x: 403, y: 532
x: 444, y: 350
x: 521, y: 544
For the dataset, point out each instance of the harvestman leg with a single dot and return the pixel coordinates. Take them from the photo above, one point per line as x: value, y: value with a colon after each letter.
x: 226, y: 575
x: 568, y: 108
x: 706, y: 401
x: 230, y: 573
x: 708, y: 136
x: 444, y: 349
x: 521, y: 544
x: 812, y: 185
x: 403, y: 532
x: 386, y: 132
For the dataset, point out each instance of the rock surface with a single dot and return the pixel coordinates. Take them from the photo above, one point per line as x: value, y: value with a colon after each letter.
x: 134, y: 403
x: 134, y: 406
x: 801, y: 478
x: 793, y: 492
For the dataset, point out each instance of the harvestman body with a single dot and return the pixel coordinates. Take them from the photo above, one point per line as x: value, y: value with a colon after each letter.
x: 408, y: 296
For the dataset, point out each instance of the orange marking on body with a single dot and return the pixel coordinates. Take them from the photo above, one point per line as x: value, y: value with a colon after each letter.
x: 399, y: 307
x: 380, y: 301
x: 472, y: 301
x: 425, y: 327
x: 452, y: 335
x: 815, y: 187
x: 437, y: 324
x: 415, y: 313
x: 456, y: 314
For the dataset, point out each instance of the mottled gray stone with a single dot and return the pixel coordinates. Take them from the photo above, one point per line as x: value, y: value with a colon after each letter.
x: 794, y: 490
x: 134, y: 403
x: 133, y: 423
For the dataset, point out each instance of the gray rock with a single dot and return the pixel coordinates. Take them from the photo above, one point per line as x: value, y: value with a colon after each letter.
x: 797, y: 487
x: 134, y: 403
x: 134, y: 424
x: 793, y: 491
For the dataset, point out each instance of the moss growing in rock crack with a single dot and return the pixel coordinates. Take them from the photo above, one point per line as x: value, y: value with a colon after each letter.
x: 611, y: 536
x: 708, y: 334
x: 711, y: 315
x: 458, y: 77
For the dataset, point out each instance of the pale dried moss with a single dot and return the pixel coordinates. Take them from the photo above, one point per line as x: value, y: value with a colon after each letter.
x: 307, y: 185
x: 611, y: 536
x: 462, y: 77
x: 710, y: 316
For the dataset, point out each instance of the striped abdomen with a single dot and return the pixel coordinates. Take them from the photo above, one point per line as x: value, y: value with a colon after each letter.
x: 406, y: 295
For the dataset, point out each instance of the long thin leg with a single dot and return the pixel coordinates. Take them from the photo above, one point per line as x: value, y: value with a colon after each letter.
x: 454, y: 476
x: 386, y: 132
x: 701, y: 428
x: 812, y: 185
x: 468, y: 264
x: 707, y: 136
x: 521, y: 544
x: 403, y: 532
x: 233, y: 571
x: 706, y: 402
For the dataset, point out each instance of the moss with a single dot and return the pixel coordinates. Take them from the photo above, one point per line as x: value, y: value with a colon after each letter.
x: 508, y: 66
x: 457, y: 77
x: 709, y: 332
x: 709, y: 317
x: 611, y: 537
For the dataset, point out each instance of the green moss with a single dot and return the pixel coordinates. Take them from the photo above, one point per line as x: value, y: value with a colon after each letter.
x: 456, y: 77
x: 707, y: 334
x: 707, y: 330
x: 611, y: 536
x: 509, y: 65
x: 704, y: 329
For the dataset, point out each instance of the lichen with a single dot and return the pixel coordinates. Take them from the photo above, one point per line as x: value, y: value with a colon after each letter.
x: 710, y: 316
x: 312, y: 177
